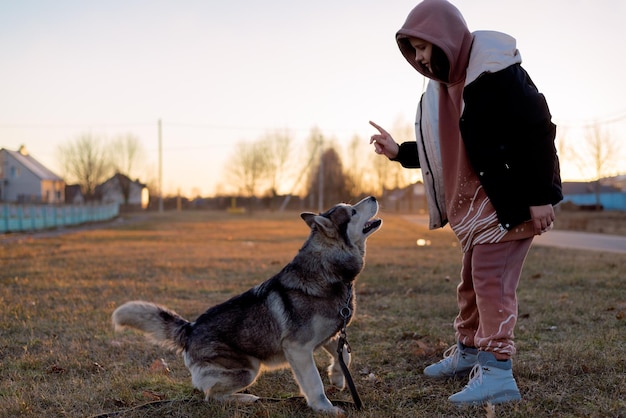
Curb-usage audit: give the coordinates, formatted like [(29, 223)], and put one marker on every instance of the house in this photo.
[(411, 199), (74, 195), (23, 179), (592, 194), (121, 189)]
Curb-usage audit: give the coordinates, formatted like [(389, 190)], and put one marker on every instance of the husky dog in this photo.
[(278, 323)]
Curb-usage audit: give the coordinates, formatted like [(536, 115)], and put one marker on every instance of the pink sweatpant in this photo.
[(487, 296)]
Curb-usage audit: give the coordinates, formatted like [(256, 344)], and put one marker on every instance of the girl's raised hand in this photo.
[(383, 142)]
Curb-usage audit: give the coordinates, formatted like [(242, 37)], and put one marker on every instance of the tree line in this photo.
[(272, 165), (322, 169)]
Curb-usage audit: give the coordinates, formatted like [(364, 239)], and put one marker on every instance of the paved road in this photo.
[(582, 241), (566, 239)]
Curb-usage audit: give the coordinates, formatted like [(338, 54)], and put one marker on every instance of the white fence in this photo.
[(19, 218)]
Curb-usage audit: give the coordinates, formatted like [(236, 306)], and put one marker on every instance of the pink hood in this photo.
[(440, 23)]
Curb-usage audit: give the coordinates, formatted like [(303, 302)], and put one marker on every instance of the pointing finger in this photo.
[(381, 130)]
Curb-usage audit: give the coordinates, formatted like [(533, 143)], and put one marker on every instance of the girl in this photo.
[(485, 144)]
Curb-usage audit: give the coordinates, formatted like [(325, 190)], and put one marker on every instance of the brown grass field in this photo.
[(60, 357)]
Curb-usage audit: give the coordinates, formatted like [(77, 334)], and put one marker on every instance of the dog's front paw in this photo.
[(322, 404), (333, 411), (338, 412)]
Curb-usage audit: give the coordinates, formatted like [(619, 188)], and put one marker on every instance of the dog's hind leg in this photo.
[(308, 378), (222, 384), (335, 374)]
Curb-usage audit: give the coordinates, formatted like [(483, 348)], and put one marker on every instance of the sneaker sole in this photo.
[(501, 397)]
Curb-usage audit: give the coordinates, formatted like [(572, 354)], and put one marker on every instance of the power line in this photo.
[(71, 125), (192, 125), (607, 120)]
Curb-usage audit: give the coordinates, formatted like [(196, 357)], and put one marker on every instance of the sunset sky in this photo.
[(222, 72)]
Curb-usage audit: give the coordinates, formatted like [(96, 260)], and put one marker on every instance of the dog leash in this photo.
[(346, 313)]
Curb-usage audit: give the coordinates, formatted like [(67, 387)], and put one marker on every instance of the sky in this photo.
[(218, 73)]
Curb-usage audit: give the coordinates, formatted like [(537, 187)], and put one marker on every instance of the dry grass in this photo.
[(60, 357), (601, 222)]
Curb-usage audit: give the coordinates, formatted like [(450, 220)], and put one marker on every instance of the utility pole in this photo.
[(320, 190), (160, 169)]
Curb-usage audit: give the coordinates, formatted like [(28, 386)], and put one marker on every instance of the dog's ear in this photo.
[(312, 219), (308, 218)]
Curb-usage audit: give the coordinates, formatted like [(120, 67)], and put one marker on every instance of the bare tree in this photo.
[(248, 166), (279, 145), (599, 157), (309, 155), (125, 153), (85, 161), (330, 178), (399, 176), (357, 166), (259, 166), (315, 149), (605, 151), (380, 173)]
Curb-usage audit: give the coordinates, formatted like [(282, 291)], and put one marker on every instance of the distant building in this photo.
[(23, 179), (121, 189), (594, 194), (74, 195), (411, 199), (618, 182)]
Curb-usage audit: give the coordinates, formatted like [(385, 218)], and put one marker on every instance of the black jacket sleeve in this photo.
[(407, 155), (509, 136)]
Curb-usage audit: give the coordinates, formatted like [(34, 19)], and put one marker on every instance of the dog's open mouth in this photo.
[(371, 224)]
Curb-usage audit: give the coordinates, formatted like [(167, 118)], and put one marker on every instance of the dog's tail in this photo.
[(159, 324)]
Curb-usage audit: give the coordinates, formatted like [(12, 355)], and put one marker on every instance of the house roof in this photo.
[(32, 164), (117, 182), (119, 178), (579, 187)]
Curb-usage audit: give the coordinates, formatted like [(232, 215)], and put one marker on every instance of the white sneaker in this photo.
[(458, 361)]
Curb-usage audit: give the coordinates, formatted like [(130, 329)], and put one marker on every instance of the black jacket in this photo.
[(509, 137)]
